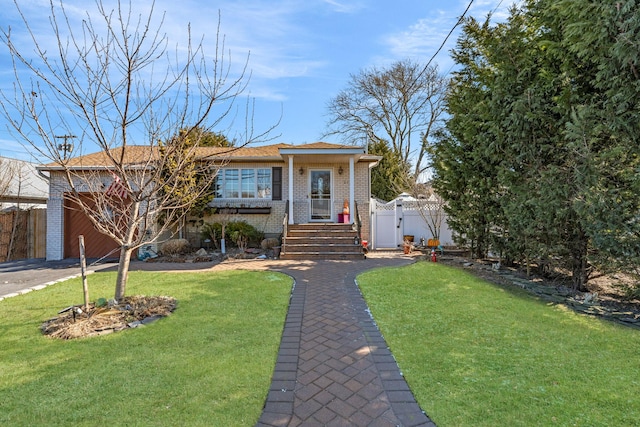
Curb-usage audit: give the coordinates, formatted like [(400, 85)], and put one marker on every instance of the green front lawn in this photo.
[(476, 354), (208, 364)]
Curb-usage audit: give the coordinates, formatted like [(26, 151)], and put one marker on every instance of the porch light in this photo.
[(340, 170), (301, 171)]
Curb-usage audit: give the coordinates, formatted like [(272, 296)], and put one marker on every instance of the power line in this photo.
[(496, 8), (460, 19)]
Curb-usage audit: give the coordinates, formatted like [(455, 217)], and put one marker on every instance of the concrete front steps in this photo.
[(321, 241)]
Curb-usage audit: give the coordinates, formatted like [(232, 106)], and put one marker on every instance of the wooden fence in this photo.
[(23, 234)]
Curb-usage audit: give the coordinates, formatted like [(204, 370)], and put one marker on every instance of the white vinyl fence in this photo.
[(401, 217)]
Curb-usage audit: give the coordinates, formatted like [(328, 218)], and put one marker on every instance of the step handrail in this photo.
[(285, 222)]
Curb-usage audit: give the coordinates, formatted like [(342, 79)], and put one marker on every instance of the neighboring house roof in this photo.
[(21, 183), (406, 197), (139, 154)]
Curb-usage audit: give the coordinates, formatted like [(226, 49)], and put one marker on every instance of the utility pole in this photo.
[(65, 147)]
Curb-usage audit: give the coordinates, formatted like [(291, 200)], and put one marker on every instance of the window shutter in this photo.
[(276, 183)]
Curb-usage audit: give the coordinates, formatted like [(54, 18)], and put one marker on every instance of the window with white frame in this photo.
[(243, 183)]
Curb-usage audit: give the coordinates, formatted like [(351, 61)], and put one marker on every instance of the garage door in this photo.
[(76, 223)]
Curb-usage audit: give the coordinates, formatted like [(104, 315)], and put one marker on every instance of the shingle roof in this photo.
[(133, 154), (20, 180), (242, 152), (140, 154)]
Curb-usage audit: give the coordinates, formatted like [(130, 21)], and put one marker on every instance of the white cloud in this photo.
[(271, 34), (499, 9), (16, 150), (348, 6), (422, 39)]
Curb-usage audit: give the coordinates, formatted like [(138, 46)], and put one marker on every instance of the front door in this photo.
[(320, 195)]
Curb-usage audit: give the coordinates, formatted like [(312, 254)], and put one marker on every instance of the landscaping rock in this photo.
[(585, 303)]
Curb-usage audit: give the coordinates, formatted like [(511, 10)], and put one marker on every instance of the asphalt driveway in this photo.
[(18, 277)]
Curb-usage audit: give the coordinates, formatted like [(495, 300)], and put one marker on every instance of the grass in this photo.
[(209, 363), (476, 354)]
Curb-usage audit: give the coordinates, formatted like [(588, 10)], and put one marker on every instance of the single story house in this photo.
[(273, 187)]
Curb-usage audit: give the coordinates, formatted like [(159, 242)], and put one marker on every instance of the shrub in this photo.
[(212, 231), (240, 233), (176, 247), (269, 243), (243, 230)]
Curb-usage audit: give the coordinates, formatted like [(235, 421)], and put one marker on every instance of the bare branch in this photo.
[(397, 105), (113, 83)]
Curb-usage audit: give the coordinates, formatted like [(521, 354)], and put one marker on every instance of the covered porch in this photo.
[(326, 181)]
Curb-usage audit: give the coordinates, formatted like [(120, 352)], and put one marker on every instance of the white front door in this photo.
[(320, 190)]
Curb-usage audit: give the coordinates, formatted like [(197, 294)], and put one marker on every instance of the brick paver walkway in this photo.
[(334, 367)]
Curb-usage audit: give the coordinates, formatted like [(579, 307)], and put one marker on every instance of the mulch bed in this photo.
[(134, 311), (603, 300)]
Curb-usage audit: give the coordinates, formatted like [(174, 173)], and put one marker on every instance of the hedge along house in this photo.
[(298, 192)]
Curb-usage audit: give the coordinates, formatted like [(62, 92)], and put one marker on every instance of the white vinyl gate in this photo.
[(384, 225), (398, 218)]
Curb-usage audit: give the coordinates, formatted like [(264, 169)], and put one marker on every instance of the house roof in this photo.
[(140, 154), (21, 183), (132, 155)]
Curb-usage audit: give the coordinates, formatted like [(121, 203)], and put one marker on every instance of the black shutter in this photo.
[(276, 183)]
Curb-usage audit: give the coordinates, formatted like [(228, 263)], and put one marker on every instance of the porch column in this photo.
[(352, 190), (291, 189)]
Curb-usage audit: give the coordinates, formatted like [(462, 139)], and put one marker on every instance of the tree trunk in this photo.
[(579, 261), (125, 252), (579, 274), (123, 272), (14, 229)]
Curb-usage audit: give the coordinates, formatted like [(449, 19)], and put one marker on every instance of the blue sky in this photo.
[(302, 52)]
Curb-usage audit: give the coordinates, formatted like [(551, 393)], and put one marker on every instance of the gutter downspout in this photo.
[(45, 177)]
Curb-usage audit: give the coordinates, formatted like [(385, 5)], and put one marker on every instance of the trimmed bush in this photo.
[(212, 231), (176, 247), (269, 243), (235, 231)]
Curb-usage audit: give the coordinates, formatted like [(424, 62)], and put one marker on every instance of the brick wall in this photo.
[(271, 224), (55, 217)]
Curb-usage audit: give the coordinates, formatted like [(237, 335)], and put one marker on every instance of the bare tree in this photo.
[(402, 104), (112, 81), (430, 207)]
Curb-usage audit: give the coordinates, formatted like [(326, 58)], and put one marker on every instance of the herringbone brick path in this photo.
[(334, 367)]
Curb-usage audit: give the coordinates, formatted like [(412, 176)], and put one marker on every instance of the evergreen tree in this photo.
[(191, 176), (540, 154), (391, 176), (604, 132), (465, 175)]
